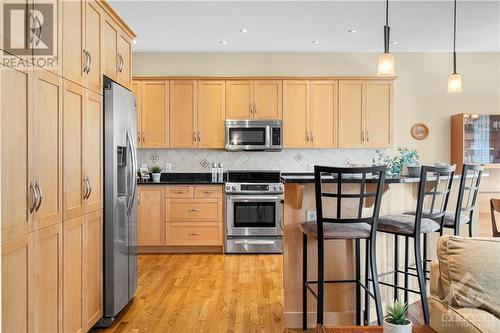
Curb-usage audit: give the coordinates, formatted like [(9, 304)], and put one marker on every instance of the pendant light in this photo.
[(386, 59), (454, 80)]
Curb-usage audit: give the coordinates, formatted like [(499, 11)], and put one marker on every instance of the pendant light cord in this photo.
[(386, 28), (454, 37)]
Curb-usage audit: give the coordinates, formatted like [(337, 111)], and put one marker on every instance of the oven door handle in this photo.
[(255, 242), (249, 198)]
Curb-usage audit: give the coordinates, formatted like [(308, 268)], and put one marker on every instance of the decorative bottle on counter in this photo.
[(214, 172), (220, 173)]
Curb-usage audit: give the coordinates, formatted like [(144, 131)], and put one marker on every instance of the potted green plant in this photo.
[(405, 163), (396, 320), (156, 173)]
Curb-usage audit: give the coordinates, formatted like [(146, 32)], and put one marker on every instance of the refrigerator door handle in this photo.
[(133, 180)]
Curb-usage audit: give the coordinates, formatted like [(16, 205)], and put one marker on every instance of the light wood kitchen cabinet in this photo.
[(93, 268), (53, 64), (324, 114), (297, 108), (254, 99), (93, 151), (211, 114), (47, 153), (117, 52), (183, 111), (74, 184), (82, 151), (310, 113), (17, 284), (48, 284), (151, 215), (73, 275), (73, 46), (365, 111), (124, 68), (109, 47), (16, 127), (153, 113), (92, 51)]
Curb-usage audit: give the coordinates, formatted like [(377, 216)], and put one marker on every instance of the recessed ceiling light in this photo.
[(223, 42), (393, 42), (243, 30), (315, 41), (352, 31)]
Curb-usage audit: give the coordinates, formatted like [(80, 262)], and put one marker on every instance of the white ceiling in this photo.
[(291, 26)]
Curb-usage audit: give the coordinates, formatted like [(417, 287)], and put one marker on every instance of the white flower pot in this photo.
[(391, 328), (156, 177)]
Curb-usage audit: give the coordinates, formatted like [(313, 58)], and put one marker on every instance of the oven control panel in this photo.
[(253, 188)]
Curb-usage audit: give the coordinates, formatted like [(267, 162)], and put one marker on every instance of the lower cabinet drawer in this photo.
[(207, 210), (200, 235)]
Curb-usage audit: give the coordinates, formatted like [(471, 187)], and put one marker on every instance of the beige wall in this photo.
[(419, 93)]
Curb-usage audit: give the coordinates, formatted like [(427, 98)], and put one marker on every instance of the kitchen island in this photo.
[(399, 196)]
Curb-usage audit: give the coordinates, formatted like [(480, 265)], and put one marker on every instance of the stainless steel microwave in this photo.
[(254, 135)]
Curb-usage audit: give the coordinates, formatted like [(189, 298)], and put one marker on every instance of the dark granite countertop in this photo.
[(183, 178)]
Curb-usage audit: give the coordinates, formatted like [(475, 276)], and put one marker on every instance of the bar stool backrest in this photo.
[(433, 193), (365, 175), (468, 189), (495, 210)]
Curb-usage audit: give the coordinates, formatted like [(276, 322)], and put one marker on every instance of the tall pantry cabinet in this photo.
[(51, 181)]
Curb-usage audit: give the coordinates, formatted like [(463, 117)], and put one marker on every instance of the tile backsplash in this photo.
[(287, 160)]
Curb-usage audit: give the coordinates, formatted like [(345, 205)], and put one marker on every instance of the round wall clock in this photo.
[(419, 131)]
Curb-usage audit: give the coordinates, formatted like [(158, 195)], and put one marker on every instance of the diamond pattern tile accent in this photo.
[(154, 158), (204, 163), (298, 157)]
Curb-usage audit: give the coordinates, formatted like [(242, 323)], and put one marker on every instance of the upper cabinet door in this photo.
[(211, 114), (47, 152), (296, 99), (324, 114), (136, 88), (239, 99), (268, 99), (378, 95), (93, 46), (73, 113), (53, 64), (93, 154), (73, 40), (16, 133), (183, 105), (351, 114), (124, 60), (109, 47), (155, 115)]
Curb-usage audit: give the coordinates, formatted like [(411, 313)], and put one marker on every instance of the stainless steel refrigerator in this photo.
[(120, 200)]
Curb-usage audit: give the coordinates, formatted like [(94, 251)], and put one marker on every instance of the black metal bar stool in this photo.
[(434, 189), (464, 210), (343, 228)]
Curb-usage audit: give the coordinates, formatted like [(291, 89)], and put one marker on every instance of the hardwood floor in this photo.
[(205, 293)]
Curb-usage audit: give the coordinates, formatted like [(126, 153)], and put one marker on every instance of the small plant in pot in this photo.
[(156, 173), (396, 319)]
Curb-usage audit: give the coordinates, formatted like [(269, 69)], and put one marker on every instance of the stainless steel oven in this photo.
[(254, 135), (254, 212)]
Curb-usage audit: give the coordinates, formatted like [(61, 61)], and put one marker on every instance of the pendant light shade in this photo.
[(386, 60), (454, 80)]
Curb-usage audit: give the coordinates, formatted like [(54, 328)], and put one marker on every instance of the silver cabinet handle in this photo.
[(90, 188), (251, 108), (362, 136), (255, 109), (119, 65), (86, 63), (178, 192), (193, 210), (143, 136), (312, 136), (34, 198), (307, 136), (138, 199), (40, 196), (194, 234), (367, 137), (86, 189), (208, 192), (195, 137), (199, 136), (90, 62)]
